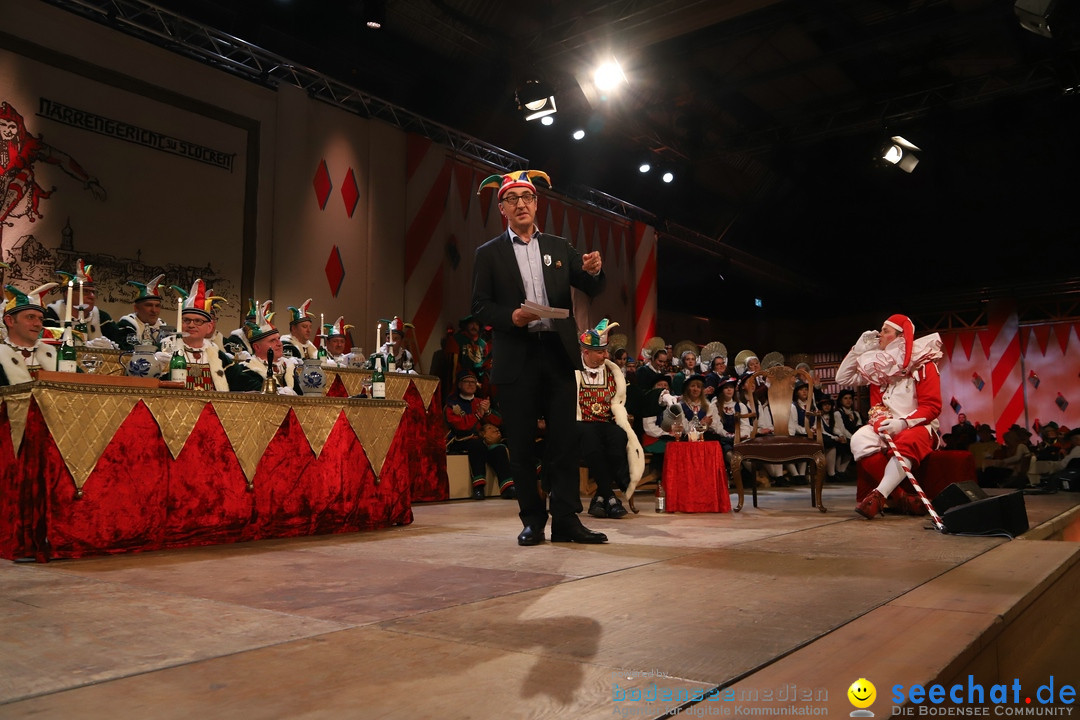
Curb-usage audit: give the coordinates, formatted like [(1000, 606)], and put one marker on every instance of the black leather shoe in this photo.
[(508, 493), (578, 534), (478, 492), (528, 537), (597, 508)]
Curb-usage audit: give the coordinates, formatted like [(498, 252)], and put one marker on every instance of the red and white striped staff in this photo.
[(938, 522)]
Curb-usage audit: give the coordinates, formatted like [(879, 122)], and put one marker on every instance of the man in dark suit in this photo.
[(534, 358)]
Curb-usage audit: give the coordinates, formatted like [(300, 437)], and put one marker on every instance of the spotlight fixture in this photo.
[(900, 152), (609, 76), (668, 177), (536, 100), (578, 135), (644, 168), (547, 120), (374, 13)]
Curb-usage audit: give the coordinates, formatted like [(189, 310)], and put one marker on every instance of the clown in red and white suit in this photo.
[(905, 399)]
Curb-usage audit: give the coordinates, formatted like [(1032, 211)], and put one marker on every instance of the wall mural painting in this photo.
[(34, 261)]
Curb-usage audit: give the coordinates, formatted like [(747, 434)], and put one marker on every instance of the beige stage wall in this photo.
[(211, 176)]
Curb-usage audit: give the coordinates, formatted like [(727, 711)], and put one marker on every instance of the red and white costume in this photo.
[(904, 379)]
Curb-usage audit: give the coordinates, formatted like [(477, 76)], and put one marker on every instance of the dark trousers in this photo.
[(480, 456), (545, 389), (603, 451)]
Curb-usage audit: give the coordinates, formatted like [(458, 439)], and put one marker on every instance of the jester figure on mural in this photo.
[(20, 194), (905, 399)]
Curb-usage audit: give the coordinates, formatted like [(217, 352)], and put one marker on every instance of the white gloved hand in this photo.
[(286, 391), (867, 341), (163, 358), (241, 356), (893, 426), (102, 343)]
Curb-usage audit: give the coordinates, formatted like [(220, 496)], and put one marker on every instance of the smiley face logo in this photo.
[(862, 693)]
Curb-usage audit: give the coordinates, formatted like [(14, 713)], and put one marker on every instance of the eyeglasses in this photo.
[(194, 321), (512, 200)]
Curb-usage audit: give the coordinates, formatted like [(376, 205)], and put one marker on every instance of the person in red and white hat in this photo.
[(206, 362), (905, 399)]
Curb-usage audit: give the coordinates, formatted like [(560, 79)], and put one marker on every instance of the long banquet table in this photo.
[(104, 468)]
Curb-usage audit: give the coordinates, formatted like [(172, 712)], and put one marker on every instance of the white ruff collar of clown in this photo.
[(882, 367)]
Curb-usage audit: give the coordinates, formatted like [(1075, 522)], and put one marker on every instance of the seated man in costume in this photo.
[(298, 343), (236, 343), (95, 322), (905, 399), (609, 446), (403, 358), (473, 430), (848, 422), (250, 375), (23, 353), (144, 325), (206, 362), (336, 337), (469, 351)]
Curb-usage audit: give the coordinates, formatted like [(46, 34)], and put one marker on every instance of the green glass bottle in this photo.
[(391, 361), (321, 353), (66, 359), (378, 380), (178, 367)]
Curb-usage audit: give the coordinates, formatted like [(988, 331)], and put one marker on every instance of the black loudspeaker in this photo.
[(995, 514), (1036, 15), (960, 493)]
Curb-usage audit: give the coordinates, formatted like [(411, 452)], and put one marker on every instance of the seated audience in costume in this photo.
[(236, 343), (336, 337), (609, 447), (206, 362), (654, 438), (1010, 465), (831, 440), (697, 407), (298, 342), (144, 325), (687, 368), (95, 323), (404, 360), (474, 430), (250, 375), (646, 374), (848, 421), (23, 352), (718, 372)]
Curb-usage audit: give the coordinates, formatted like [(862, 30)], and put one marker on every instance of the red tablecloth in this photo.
[(694, 477)]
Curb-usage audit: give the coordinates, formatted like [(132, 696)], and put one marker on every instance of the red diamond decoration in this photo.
[(350, 193), (335, 271), (323, 186)]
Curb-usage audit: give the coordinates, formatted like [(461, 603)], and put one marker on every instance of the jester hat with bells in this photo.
[(597, 338), (17, 300), (148, 291), (200, 301), (518, 179), (338, 328), (253, 309), (300, 314), (259, 326)]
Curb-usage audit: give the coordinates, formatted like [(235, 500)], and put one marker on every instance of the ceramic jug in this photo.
[(312, 377), (141, 361)]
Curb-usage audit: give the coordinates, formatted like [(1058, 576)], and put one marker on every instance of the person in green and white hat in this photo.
[(23, 352), (144, 325), (99, 324), (206, 362), (248, 375), (298, 342)]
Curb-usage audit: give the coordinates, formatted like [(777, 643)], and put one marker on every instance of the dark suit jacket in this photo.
[(498, 290)]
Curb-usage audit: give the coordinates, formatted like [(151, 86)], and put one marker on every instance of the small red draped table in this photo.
[(108, 467), (695, 480)]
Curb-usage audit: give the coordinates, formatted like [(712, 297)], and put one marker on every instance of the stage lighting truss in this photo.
[(536, 100)]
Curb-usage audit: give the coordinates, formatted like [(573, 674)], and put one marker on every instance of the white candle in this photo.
[(67, 308), (179, 314), (378, 336), (82, 318), (322, 328)]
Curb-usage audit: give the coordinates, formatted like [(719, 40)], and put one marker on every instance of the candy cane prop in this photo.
[(938, 523)]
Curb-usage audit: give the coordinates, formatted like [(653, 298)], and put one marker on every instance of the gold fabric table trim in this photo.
[(82, 419), (396, 383)]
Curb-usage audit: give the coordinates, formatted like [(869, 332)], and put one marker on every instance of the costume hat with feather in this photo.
[(518, 179), (200, 301), (597, 338), (17, 300), (337, 329), (260, 326), (300, 314), (148, 291)]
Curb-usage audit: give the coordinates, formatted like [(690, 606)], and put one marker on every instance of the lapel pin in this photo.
[(547, 260), (558, 263)]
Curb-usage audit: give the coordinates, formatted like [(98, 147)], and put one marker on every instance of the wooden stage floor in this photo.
[(449, 618)]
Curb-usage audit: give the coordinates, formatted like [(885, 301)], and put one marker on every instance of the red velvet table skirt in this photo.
[(138, 497), (694, 478)]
